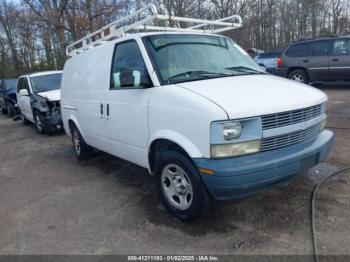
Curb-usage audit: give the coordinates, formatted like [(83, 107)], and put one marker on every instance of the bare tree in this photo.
[(33, 36)]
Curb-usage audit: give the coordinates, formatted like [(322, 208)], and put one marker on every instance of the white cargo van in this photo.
[(193, 108)]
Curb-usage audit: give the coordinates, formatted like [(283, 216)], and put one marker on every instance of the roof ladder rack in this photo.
[(145, 19)]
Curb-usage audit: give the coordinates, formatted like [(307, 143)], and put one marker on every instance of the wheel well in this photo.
[(290, 70), (160, 145), (71, 124)]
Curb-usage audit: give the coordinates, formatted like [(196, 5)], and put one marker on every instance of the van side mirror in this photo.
[(23, 92)]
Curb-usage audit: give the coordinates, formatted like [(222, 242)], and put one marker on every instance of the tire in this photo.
[(180, 187), (39, 124), (299, 75), (11, 110), (82, 150), (3, 111)]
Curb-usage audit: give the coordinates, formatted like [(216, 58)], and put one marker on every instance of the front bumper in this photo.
[(242, 176)]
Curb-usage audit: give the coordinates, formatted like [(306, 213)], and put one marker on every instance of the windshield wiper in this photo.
[(198, 73), (244, 69)]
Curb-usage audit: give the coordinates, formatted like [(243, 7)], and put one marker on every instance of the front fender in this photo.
[(39, 103), (72, 118), (185, 143)]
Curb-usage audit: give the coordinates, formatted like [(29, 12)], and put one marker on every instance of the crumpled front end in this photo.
[(53, 117)]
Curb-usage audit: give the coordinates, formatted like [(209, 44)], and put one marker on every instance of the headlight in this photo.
[(323, 124), (237, 149), (232, 130)]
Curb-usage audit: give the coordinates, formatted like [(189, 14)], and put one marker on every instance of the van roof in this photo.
[(140, 35), (43, 73)]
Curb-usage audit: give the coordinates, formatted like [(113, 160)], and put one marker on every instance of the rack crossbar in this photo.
[(145, 19)]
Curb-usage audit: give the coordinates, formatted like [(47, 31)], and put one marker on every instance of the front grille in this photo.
[(291, 117), (284, 140)]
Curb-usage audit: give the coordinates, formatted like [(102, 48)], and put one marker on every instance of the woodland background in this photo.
[(35, 33)]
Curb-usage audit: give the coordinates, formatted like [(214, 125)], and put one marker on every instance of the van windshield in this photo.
[(46, 82), (184, 57)]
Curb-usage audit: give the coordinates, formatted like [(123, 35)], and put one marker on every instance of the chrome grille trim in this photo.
[(291, 117), (289, 139)]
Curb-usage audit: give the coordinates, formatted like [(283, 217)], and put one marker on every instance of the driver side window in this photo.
[(23, 84), (128, 68)]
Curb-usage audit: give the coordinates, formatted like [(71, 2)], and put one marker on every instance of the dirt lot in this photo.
[(51, 204)]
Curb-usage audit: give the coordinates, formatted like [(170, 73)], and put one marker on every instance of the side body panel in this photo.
[(24, 101), (340, 60), (317, 61), (84, 86)]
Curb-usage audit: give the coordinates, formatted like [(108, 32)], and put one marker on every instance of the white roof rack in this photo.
[(145, 19)]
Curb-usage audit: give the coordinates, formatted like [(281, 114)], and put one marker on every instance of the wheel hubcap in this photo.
[(177, 187), (298, 77), (76, 142), (38, 123)]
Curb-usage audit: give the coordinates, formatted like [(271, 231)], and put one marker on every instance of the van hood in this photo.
[(256, 95), (53, 95)]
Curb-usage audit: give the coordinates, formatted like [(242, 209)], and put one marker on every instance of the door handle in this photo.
[(107, 109), (101, 110), (335, 59), (305, 61)]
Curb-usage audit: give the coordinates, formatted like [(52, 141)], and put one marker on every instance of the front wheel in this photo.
[(39, 122), (300, 76), (180, 187), (82, 150)]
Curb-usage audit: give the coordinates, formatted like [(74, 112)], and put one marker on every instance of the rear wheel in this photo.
[(180, 187), (299, 75), (82, 150), (11, 110)]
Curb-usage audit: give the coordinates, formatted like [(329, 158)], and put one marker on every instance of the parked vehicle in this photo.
[(317, 60), (194, 109), (38, 96), (253, 52), (268, 61), (8, 100)]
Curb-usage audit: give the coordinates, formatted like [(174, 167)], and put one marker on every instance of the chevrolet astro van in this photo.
[(197, 112)]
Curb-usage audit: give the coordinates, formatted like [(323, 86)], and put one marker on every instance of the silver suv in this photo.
[(317, 60)]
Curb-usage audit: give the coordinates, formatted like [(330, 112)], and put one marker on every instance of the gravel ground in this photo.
[(51, 204)]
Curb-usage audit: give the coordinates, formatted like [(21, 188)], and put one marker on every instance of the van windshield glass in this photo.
[(183, 57), (46, 82)]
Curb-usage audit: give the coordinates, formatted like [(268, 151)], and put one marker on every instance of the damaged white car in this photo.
[(38, 97)]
